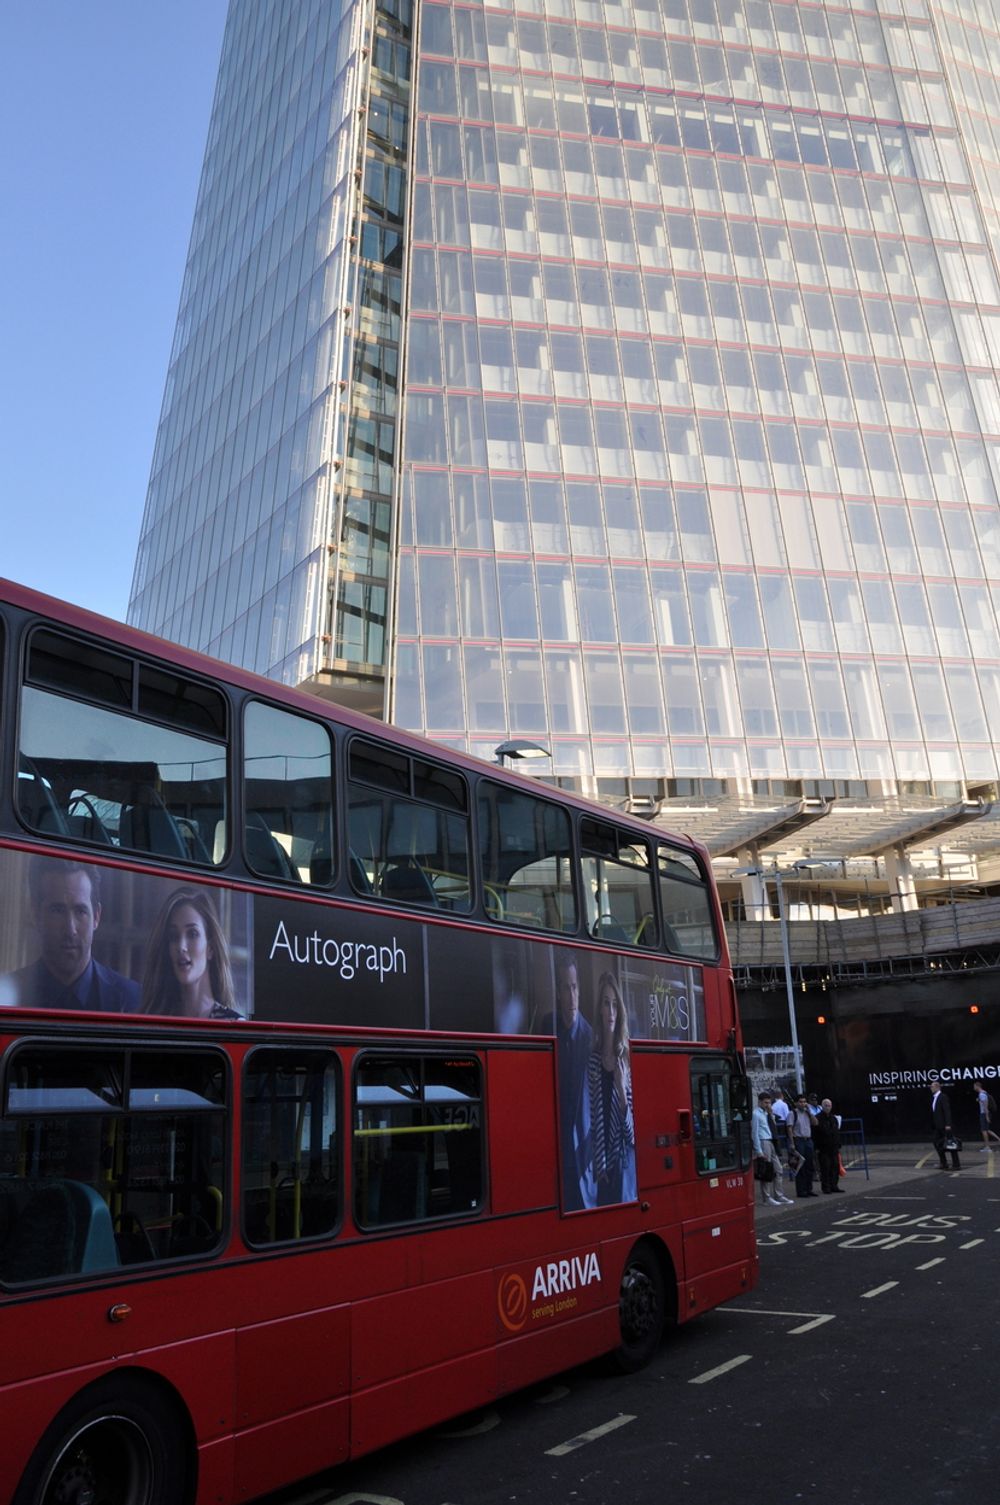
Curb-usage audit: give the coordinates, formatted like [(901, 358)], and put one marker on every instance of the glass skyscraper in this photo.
[(620, 376)]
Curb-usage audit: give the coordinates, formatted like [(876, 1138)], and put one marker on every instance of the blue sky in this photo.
[(104, 109)]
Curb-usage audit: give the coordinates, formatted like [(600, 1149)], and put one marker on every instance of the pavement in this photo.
[(889, 1165)]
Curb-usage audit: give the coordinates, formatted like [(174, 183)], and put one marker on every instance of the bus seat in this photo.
[(408, 882), (266, 856), (61, 1228), (320, 863), (607, 928), (360, 881), (151, 828), (37, 802), (670, 940), (131, 1240)]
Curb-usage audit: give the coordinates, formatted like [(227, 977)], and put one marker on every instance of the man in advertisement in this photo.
[(65, 913)]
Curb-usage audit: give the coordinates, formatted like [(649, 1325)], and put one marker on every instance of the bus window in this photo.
[(684, 901), (721, 1116), (408, 829), (291, 1154), (288, 794), (418, 1143), (526, 852), (121, 753), (109, 1158), (617, 885)]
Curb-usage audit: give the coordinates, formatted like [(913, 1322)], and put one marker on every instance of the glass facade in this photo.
[(234, 549), (622, 376)]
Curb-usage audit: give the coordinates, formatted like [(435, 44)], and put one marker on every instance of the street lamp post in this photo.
[(786, 959), (517, 748), (763, 874)]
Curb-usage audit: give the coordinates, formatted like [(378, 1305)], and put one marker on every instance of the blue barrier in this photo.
[(853, 1149)]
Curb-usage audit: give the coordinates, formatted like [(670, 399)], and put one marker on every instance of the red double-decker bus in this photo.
[(346, 1083)]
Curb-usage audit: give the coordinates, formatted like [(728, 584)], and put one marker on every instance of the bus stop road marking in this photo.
[(585, 1437), (713, 1374), (816, 1318), (807, 1327), (972, 1243), (931, 1263), (763, 1311), (879, 1290)]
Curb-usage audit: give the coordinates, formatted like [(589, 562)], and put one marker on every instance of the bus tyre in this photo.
[(641, 1310), (117, 1443)]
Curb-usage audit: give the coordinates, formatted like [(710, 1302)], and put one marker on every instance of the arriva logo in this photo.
[(512, 1301), (565, 1275)]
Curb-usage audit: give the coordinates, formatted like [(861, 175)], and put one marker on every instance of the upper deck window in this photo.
[(121, 753), (408, 829), (686, 905), (288, 815), (617, 885), (526, 851)]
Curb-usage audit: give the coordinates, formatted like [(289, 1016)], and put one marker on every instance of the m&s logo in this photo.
[(512, 1302)]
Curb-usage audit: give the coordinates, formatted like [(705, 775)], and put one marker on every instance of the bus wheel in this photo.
[(641, 1312), (115, 1444)]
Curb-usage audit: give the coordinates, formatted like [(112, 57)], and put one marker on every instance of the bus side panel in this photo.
[(523, 1156), (285, 1366), (410, 1331), (411, 1404), (292, 1382), (199, 1370), (292, 1448), (661, 1087), (719, 1260), (534, 1356)]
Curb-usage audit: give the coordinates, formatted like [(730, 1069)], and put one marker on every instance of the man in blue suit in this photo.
[(66, 912)]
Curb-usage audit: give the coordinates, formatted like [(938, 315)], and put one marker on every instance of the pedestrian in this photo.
[(944, 1138), (802, 1138), (826, 1138), (766, 1153), (986, 1108), (780, 1108), (812, 1103)]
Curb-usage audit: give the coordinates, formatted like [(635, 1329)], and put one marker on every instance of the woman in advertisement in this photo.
[(609, 1078), (187, 963)]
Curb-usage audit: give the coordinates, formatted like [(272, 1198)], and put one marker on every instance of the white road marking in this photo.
[(713, 1374), (759, 1311), (807, 1327), (972, 1243), (931, 1263), (878, 1290), (585, 1437), (816, 1318)]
